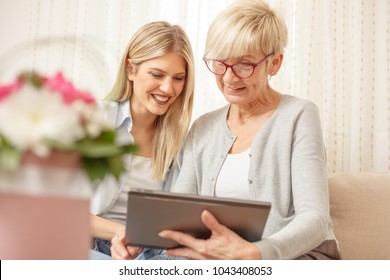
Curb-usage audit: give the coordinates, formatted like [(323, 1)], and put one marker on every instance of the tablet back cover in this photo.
[(150, 212)]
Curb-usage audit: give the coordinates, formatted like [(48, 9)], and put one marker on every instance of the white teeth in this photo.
[(233, 88), (161, 98)]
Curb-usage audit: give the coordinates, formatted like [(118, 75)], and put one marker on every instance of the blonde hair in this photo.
[(151, 41), (246, 26)]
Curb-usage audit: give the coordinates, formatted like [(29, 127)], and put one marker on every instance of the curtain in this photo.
[(338, 56)]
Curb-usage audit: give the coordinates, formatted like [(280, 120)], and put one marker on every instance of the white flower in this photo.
[(93, 116), (31, 116)]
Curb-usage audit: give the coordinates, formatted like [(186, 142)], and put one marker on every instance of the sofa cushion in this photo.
[(360, 211)]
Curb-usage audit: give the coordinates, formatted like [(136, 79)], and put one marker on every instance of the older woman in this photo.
[(264, 145)]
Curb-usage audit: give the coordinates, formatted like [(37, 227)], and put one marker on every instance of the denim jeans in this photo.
[(103, 246), (102, 251), (156, 254)]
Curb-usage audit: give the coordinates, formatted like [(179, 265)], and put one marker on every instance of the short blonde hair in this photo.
[(246, 26), (151, 41)]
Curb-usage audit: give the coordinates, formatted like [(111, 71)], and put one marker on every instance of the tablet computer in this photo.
[(150, 212)]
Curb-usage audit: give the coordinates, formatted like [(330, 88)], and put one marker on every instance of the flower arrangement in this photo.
[(40, 114)]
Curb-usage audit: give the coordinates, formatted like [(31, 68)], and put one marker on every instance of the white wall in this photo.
[(338, 56)]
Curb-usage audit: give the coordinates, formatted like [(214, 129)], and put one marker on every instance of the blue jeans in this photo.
[(156, 254), (103, 246), (102, 251), (95, 255)]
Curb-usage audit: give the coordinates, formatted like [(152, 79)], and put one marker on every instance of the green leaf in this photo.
[(10, 157), (97, 169), (116, 166), (33, 78), (130, 149), (107, 136), (104, 150), (100, 156), (99, 150)]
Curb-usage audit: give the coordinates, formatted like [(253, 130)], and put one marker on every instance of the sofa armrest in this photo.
[(360, 211)]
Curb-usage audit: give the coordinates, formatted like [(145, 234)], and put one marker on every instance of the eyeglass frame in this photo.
[(227, 66)]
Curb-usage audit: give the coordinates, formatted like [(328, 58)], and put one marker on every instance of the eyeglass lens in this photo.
[(242, 70)]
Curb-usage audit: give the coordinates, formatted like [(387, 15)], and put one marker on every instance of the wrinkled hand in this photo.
[(119, 250), (223, 243)]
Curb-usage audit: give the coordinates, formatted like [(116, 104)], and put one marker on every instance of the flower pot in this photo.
[(44, 209)]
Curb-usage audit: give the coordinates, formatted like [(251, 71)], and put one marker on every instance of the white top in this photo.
[(140, 176), (232, 181)]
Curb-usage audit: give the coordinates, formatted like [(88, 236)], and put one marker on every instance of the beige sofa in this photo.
[(360, 210)]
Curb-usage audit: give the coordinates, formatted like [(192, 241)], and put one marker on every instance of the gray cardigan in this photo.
[(287, 168)]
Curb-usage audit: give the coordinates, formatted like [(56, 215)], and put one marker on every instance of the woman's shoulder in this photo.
[(210, 124), (115, 112), (212, 117), (297, 101), (290, 104)]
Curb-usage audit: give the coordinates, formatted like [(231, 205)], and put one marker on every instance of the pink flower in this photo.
[(66, 88), (6, 90)]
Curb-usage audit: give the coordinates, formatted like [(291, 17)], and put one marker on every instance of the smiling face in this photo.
[(244, 91), (157, 83)]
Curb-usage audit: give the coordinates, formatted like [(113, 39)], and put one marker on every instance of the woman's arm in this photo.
[(182, 178), (102, 228), (311, 221)]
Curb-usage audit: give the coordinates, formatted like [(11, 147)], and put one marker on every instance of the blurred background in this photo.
[(338, 56)]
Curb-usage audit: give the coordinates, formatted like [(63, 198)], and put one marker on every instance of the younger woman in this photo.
[(154, 96)]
